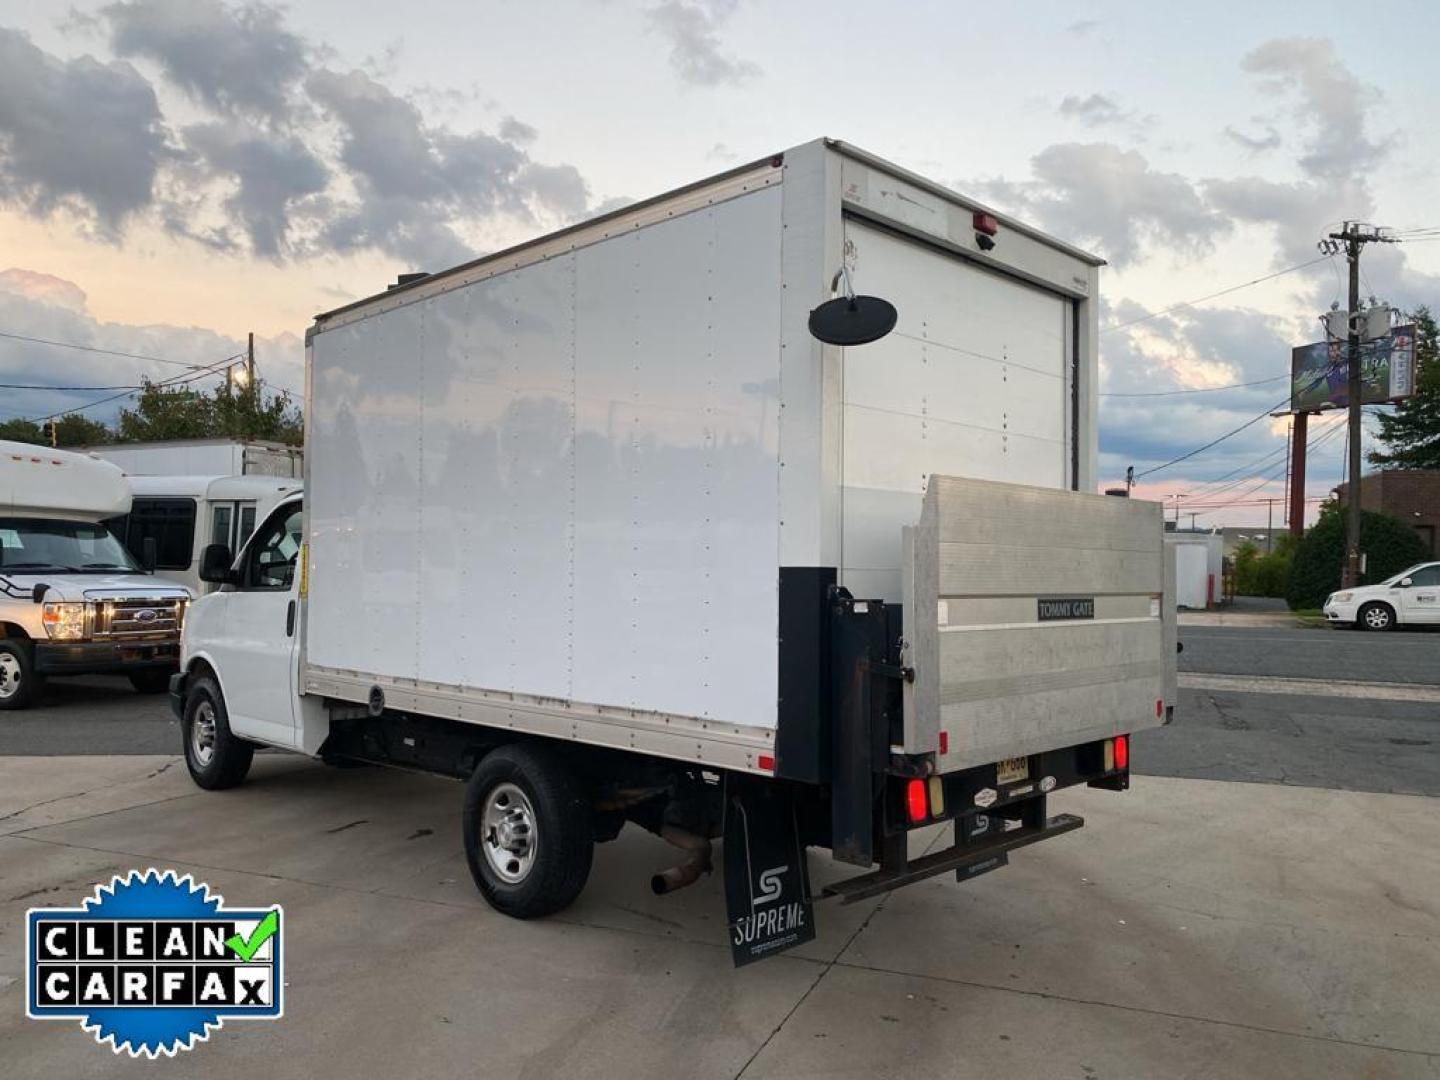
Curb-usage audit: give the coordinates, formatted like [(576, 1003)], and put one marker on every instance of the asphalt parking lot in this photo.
[(1263, 905)]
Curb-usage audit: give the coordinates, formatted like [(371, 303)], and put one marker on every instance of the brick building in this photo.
[(1412, 495)]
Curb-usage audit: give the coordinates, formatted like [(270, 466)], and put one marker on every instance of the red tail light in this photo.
[(766, 762), (916, 803), (1122, 751)]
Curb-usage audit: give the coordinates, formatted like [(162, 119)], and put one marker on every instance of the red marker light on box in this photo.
[(766, 762), (916, 804), (985, 223)]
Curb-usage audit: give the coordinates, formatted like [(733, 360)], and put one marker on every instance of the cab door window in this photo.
[(270, 558)]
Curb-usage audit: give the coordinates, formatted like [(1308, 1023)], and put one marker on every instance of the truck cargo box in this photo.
[(599, 486)]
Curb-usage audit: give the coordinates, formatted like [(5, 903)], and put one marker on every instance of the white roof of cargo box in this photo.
[(690, 196), (219, 488), (36, 481)]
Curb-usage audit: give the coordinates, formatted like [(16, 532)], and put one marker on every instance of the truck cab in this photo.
[(73, 600)]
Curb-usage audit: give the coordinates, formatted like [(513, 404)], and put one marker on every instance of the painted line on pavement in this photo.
[(1342, 688)]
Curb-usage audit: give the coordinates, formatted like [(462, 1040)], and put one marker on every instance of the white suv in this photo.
[(1411, 597)]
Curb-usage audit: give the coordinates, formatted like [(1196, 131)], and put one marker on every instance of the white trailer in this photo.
[(601, 512), (205, 457)]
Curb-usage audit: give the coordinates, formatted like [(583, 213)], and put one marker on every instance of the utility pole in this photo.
[(1177, 499), (1193, 516), (1352, 239), (250, 361), (1269, 525), (1129, 480)]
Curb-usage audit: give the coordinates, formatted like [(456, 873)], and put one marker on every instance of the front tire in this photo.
[(1375, 617), (215, 757), (18, 682), (528, 830)]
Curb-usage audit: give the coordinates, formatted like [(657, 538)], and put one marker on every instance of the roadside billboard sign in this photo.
[(1319, 372)]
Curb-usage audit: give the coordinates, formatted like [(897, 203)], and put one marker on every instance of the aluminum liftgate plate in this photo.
[(1034, 619)]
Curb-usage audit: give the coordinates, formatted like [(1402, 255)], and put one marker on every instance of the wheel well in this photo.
[(13, 630), (200, 666)]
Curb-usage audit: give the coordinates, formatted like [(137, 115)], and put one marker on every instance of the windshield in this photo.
[(45, 545)]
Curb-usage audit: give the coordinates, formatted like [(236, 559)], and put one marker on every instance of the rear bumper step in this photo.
[(960, 858)]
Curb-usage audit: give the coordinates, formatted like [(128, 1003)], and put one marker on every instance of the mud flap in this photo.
[(767, 885)]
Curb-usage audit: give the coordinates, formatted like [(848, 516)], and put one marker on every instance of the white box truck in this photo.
[(597, 525), (73, 601)]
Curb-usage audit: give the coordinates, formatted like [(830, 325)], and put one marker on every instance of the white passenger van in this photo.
[(184, 513)]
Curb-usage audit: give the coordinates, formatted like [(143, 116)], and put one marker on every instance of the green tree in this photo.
[(1388, 543), (23, 431), (253, 412), (167, 412), (1410, 433), (228, 411), (72, 429), (1264, 574)]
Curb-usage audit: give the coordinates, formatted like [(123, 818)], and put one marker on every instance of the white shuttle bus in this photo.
[(655, 520), (73, 600)]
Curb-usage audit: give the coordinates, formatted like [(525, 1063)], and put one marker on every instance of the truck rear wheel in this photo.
[(18, 681), (215, 757), (528, 832)]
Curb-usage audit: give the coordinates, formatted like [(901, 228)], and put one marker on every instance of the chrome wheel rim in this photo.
[(508, 834), (1377, 619), (202, 734), (9, 675)]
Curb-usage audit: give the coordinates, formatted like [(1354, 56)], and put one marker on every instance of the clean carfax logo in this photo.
[(153, 962)]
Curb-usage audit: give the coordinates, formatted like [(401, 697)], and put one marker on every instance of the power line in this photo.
[(1214, 295), (93, 349), (178, 380), (1198, 389), (23, 386), (1248, 423), (1215, 442)]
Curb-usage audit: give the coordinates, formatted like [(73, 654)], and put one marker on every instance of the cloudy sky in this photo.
[(175, 173)]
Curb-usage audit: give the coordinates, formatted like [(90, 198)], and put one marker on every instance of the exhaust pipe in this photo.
[(688, 871)]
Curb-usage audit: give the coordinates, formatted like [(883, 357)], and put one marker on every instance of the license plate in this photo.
[(1011, 770)]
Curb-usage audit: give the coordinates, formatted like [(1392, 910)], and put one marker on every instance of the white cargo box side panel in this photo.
[(561, 481), (972, 382)]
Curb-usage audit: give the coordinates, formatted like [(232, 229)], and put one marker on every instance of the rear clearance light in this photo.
[(917, 805), (766, 762), (985, 223), (1122, 752)]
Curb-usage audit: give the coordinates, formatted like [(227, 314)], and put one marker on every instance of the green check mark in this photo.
[(246, 948)]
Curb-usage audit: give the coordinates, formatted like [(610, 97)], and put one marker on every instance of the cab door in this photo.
[(257, 651), (1420, 600)]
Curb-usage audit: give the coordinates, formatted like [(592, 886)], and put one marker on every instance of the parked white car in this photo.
[(1411, 597)]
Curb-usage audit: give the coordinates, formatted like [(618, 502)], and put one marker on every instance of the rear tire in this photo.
[(215, 757), (19, 685), (1375, 616), (151, 680), (528, 831)]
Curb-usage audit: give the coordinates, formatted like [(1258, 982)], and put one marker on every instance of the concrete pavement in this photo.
[(1193, 928)]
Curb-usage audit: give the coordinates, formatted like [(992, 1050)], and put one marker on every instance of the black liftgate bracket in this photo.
[(866, 717)]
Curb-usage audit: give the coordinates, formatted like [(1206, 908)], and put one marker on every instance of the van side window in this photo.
[(171, 522), (270, 558)]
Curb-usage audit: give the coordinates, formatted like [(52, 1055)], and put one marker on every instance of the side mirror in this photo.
[(37, 594), (215, 563), (1406, 582), (149, 554)]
